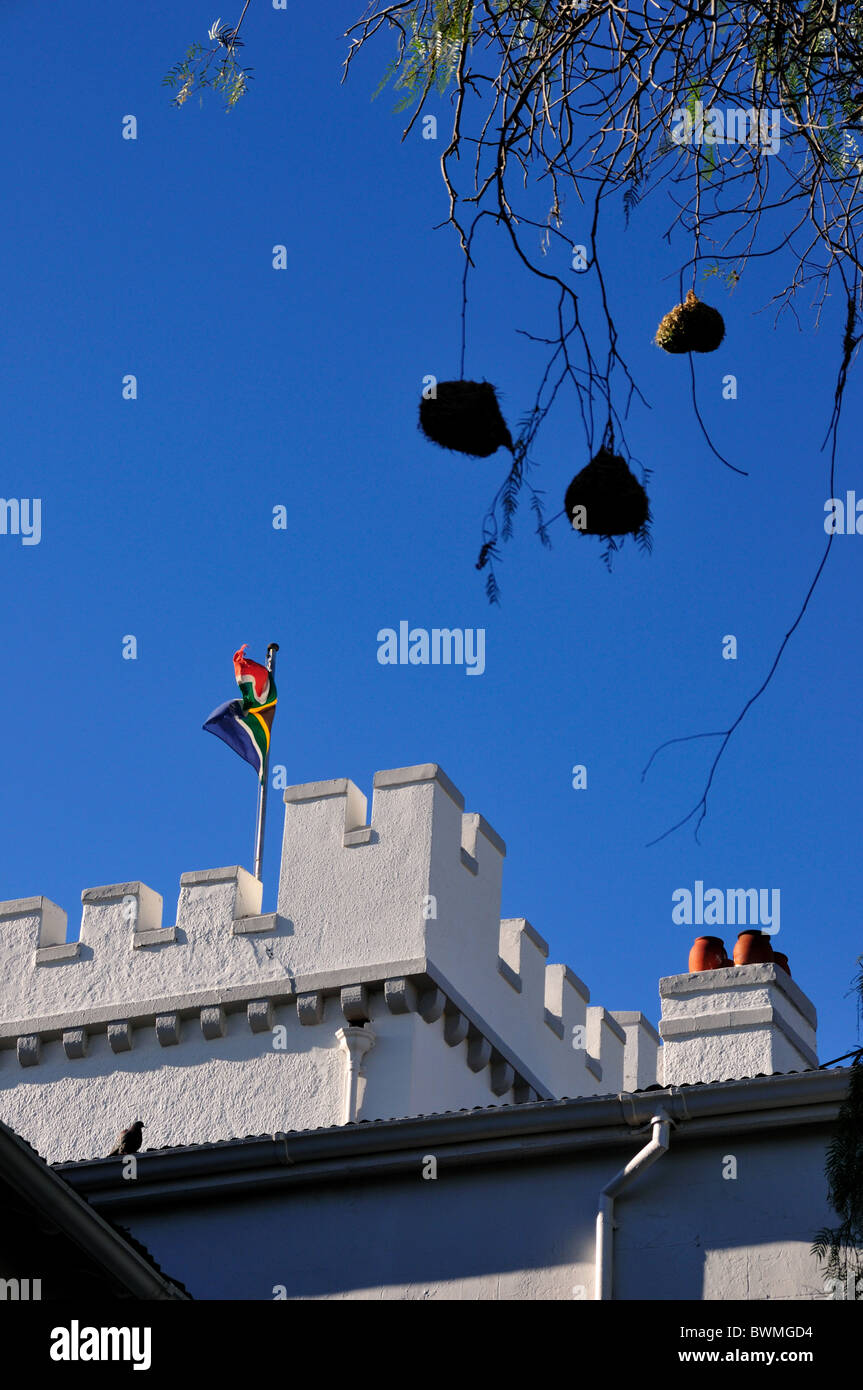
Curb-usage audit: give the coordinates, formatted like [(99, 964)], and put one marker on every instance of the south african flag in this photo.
[(245, 724)]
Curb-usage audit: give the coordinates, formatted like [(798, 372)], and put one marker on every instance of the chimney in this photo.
[(729, 1022)]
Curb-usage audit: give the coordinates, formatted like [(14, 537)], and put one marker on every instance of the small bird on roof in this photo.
[(129, 1141)]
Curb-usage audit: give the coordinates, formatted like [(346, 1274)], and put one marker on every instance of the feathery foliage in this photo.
[(215, 68)]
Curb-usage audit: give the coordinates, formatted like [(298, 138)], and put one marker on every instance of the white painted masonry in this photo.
[(385, 987), (350, 1001), (350, 1212), (743, 1020), (231, 1022)]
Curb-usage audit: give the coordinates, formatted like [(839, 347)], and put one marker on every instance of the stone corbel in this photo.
[(400, 996), (213, 1022), (455, 1026), (260, 1015), (310, 1008), (120, 1036), (168, 1029), (354, 1000), (29, 1049), (75, 1043), (478, 1051)]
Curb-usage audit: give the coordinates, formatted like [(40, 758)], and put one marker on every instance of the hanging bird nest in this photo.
[(691, 327), (606, 499), (465, 416)]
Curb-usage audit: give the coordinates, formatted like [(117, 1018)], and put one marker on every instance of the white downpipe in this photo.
[(603, 1279), (355, 1042)]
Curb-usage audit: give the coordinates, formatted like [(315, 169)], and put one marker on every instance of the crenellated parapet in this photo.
[(123, 952), (421, 878), (388, 923)]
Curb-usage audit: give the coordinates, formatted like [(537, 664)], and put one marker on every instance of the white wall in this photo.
[(520, 1230), (416, 891)]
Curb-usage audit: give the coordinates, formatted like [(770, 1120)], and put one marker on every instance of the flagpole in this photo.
[(262, 789)]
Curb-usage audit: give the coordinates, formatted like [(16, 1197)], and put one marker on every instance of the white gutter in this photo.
[(603, 1279), (569, 1129)]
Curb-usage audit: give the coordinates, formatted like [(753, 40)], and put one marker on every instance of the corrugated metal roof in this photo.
[(464, 1110)]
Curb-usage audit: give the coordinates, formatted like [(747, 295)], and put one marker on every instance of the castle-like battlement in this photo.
[(123, 953), (391, 925)]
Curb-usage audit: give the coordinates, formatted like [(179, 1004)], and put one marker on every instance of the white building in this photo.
[(385, 988)]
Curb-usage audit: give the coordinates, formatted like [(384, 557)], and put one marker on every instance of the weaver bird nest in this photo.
[(465, 416), (691, 327)]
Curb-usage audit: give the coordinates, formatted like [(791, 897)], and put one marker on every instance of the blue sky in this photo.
[(259, 388)]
